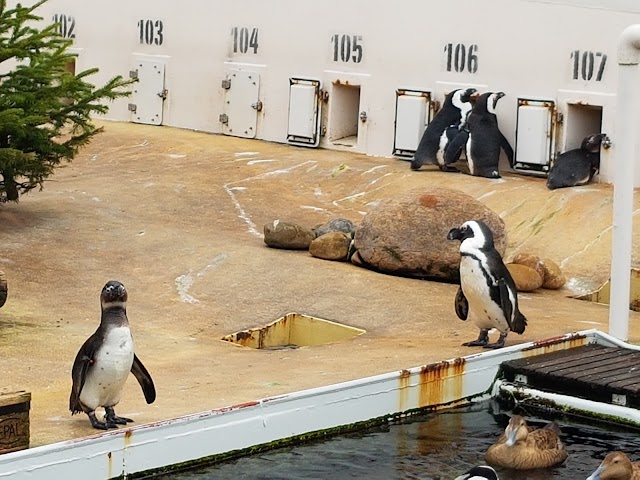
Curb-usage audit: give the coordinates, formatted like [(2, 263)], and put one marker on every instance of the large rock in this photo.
[(407, 234), (279, 234), (526, 278), (331, 246)]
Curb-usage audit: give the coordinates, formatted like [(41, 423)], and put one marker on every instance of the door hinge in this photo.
[(133, 74), (224, 118), (226, 84), (257, 106), (132, 107)]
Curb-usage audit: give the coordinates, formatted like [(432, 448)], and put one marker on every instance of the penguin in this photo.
[(577, 166), (481, 138), (434, 139), (487, 292), (104, 361), (479, 472)]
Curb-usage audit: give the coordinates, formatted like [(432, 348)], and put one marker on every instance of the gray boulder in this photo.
[(407, 235), (335, 225)]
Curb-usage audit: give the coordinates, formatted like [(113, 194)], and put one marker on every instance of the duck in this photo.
[(616, 466), (479, 472), (523, 448)]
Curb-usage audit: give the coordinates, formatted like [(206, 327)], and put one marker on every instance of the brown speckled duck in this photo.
[(616, 466), (522, 448)]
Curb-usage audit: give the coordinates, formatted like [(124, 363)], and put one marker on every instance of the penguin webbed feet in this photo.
[(112, 418), (498, 344), (97, 424), (481, 341)]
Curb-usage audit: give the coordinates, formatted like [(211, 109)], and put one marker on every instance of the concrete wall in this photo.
[(525, 48)]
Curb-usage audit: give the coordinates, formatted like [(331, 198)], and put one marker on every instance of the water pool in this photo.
[(432, 446)]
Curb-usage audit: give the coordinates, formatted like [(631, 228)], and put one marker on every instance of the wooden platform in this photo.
[(593, 372)]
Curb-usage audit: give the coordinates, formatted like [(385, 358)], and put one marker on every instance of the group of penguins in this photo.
[(487, 294), (473, 127)]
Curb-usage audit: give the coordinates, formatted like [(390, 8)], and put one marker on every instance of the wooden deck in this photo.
[(593, 372)]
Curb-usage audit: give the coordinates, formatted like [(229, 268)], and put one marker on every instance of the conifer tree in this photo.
[(45, 110)]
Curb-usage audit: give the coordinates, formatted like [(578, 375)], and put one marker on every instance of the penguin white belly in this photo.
[(112, 364), (484, 312), (469, 157), (441, 146)]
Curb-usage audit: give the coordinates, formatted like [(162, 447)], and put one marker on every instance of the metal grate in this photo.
[(594, 372)]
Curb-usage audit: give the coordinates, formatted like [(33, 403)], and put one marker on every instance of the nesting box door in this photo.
[(149, 93), (412, 117), (304, 112), (535, 136), (241, 104)]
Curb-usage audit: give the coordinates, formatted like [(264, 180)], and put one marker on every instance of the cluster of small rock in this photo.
[(531, 272), (329, 241)]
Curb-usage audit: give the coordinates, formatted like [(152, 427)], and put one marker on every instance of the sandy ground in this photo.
[(177, 217)]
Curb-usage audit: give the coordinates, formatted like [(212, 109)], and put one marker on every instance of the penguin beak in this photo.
[(469, 93), (454, 234), (499, 95)]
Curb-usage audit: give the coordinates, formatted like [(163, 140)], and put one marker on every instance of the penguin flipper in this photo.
[(452, 153), (144, 379), (505, 302), (81, 366), (506, 146), (461, 304)]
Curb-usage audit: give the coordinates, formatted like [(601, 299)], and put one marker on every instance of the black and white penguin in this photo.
[(433, 143), (104, 361), (480, 472), (577, 166), (481, 138), (487, 292)]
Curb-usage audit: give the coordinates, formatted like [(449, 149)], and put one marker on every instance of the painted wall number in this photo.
[(461, 58), (242, 41), (66, 25), (588, 63), (151, 32), (347, 48)]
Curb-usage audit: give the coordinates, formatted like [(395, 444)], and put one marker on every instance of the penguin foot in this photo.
[(482, 340), (499, 343), (476, 343), (113, 419), (97, 424), (447, 168)]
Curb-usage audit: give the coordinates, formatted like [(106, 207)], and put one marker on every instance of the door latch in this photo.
[(257, 106), (163, 94)]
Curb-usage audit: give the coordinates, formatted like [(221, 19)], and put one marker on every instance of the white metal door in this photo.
[(149, 93), (535, 136), (412, 117), (304, 112), (241, 103)]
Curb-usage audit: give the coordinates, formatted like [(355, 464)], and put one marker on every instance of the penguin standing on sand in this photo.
[(434, 140), (487, 292), (482, 139), (577, 166), (104, 361)]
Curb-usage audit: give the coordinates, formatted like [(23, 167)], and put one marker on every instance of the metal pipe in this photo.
[(624, 158)]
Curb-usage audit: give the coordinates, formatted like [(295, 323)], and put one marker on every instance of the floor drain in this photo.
[(293, 330)]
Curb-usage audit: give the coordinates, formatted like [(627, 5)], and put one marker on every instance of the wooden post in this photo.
[(14, 421)]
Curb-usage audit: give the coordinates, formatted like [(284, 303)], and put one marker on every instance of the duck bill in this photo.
[(596, 475), (511, 438), (454, 234)]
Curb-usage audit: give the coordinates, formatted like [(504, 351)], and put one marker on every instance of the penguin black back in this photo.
[(482, 139), (577, 166), (449, 114)]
